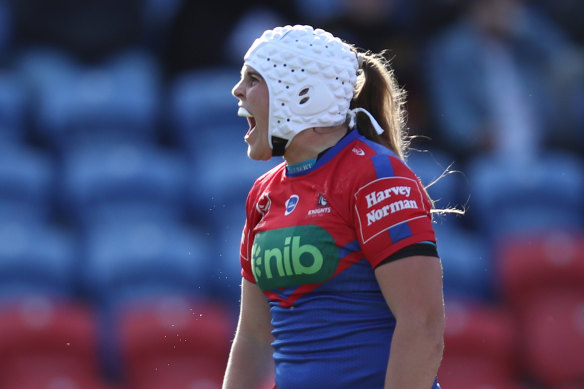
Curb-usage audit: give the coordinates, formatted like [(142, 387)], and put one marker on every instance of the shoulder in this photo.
[(266, 179), (371, 161), (379, 175)]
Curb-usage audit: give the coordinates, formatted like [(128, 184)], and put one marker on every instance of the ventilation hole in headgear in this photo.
[(301, 70), (292, 70), (303, 92), (275, 65), (285, 65), (304, 100), (279, 81), (287, 120), (267, 59)]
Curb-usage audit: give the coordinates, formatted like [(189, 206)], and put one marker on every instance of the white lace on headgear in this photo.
[(353, 119), (360, 59), (310, 76)]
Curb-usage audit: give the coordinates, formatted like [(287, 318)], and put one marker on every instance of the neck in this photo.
[(311, 142)]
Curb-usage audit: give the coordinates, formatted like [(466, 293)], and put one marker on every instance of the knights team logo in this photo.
[(322, 207)]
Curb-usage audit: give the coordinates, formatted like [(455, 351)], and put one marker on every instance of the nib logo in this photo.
[(293, 256)]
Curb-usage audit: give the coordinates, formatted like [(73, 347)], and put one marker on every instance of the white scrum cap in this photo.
[(310, 76)]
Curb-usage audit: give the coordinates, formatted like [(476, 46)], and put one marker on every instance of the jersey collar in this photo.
[(328, 154)]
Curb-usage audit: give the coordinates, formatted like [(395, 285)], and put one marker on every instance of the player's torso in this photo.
[(305, 233)]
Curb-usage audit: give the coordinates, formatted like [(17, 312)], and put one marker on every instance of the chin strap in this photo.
[(278, 146), (353, 119)]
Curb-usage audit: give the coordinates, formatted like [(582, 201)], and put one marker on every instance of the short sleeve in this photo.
[(391, 209), (245, 253)]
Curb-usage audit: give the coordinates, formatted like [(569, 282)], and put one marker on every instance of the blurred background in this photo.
[(123, 178)]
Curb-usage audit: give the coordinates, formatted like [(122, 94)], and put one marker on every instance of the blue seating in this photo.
[(14, 105), (137, 261), (467, 263), (36, 259), (224, 173), (543, 194), (118, 182), (116, 99), (201, 100), (27, 180), (437, 171)]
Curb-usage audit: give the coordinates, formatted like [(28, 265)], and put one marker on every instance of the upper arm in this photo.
[(254, 318), (412, 287), (391, 209)]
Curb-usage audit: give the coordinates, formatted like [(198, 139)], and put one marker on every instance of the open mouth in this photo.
[(250, 119)]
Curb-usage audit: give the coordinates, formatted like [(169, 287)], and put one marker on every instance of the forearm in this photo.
[(415, 357), (250, 364)]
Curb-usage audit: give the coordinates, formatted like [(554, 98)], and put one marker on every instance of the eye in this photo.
[(253, 79)]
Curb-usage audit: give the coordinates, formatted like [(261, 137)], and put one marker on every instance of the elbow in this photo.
[(436, 333), (433, 331), (427, 328)]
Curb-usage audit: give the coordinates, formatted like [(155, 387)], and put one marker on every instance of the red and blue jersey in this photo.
[(311, 243)]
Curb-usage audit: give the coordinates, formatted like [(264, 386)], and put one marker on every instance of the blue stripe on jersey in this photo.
[(333, 151), (349, 249), (399, 232), (382, 165)]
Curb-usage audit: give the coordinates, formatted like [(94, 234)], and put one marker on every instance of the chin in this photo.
[(258, 156)]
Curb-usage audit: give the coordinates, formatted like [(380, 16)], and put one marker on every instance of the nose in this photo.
[(237, 90)]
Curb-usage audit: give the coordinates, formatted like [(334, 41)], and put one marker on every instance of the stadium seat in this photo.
[(552, 337), (466, 261), (201, 99), (479, 348), (123, 181), (134, 261), (27, 183), (113, 100), (542, 277), (44, 340), (514, 199), (40, 379), (543, 261), (14, 105), (224, 173), (445, 187), (36, 259), (179, 344)]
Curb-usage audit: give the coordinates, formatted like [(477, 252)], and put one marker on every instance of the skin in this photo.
[(252, 92), (417, 304), (250, 363)]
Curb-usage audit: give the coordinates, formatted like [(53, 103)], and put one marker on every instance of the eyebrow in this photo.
[(251, 73)]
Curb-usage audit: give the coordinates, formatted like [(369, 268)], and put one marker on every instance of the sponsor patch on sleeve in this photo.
[(387, 202)]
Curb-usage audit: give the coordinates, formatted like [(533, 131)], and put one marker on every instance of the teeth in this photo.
[(244, 113)]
